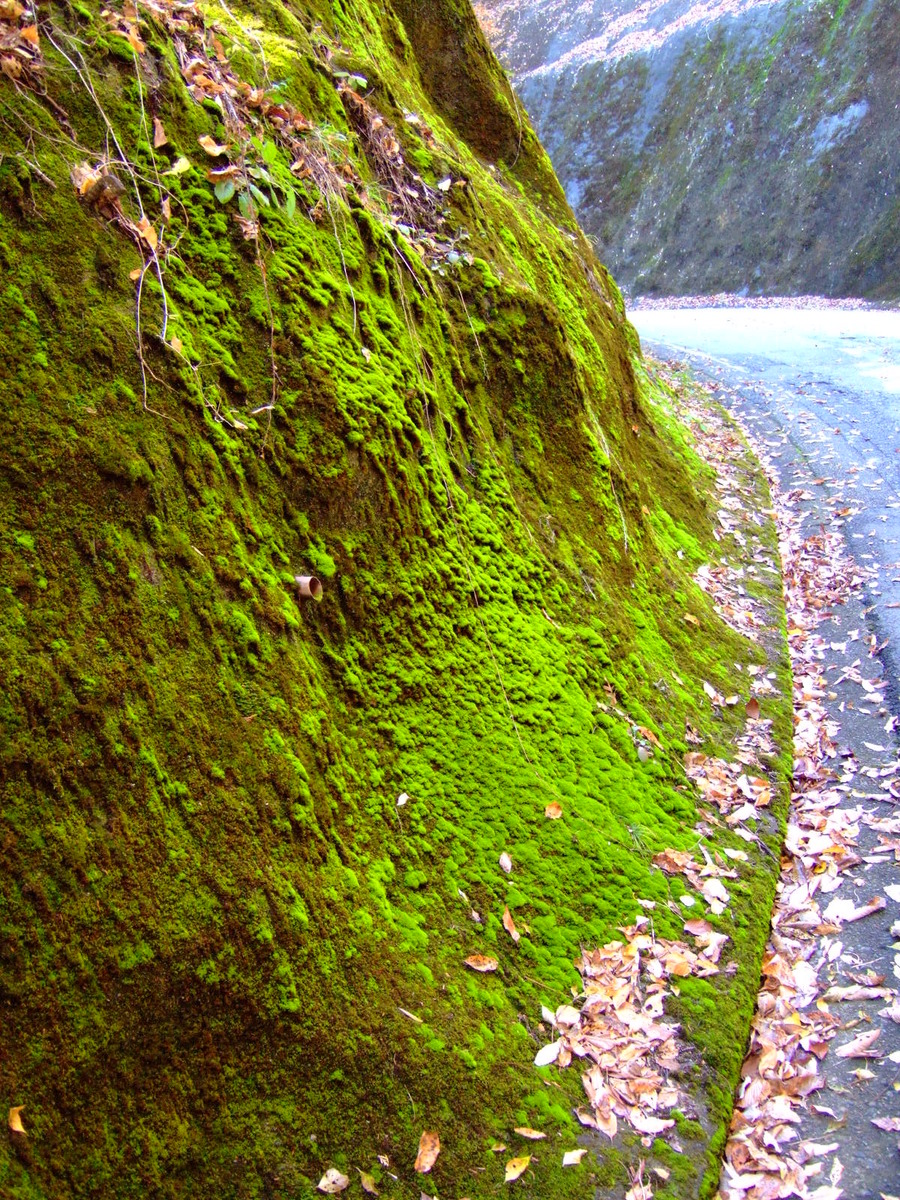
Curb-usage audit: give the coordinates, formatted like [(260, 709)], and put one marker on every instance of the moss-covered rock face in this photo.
[(373, 347)]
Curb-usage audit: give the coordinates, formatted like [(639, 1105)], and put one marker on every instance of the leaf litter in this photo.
[(628, 1052)]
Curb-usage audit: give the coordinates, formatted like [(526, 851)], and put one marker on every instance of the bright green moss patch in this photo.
[(229, 957)]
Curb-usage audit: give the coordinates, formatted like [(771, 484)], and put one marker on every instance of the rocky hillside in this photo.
[(734, 145), (293, 292)]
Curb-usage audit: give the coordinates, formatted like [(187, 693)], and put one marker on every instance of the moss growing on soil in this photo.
[(216, 916)]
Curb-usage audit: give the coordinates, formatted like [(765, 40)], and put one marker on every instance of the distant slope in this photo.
[(721, 145)]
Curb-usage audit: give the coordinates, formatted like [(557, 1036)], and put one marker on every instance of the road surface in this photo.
[(819, 392)]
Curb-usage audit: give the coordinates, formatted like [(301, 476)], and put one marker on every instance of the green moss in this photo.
[(216, 916)]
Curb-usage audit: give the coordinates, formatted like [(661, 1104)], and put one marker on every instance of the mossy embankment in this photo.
[(400, 369)]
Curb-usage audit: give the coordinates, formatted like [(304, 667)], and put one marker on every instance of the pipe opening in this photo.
[(309, 586)]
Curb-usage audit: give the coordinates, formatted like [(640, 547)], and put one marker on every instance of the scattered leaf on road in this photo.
[(860, 1047)]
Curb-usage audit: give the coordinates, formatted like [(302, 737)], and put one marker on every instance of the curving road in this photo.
[(819, 390), (826, 384)]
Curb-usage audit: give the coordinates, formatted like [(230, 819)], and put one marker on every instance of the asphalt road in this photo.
[(827, 382), (819, 392)]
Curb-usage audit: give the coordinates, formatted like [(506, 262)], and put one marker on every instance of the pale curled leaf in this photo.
[(332, 1182), (888, 1124), (15, 1119), (516, 1167), (526, 1131), (505, 862), (212, 148), (572, 1158), (548, 1054)]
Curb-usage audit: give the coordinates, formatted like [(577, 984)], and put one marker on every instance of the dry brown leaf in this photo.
[(516, 1167), (752, 708), (888, 1124), (148, 233), (213, 148), (30, 34), (136, 273), (429, 1149), (553, 811), (159, 134), (15, 1119), (533, 1135), (674, 862), (509, 925), (861, 1046), (176, 344), (856, 992), (481, 962)]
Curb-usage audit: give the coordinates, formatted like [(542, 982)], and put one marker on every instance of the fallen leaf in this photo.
[(752, 708), (214, 149), (516, 1167), (15, 1119), (402, 799), (893, 890), (30, 34), (176, 344), (856, 992), (548, 1054), (553, 811), (159, 134), (429, 1149), (332, 1181), (533, 1135), (481, 962), (572, 1158), (368, 1183), (148, 233), (506, 862), (509, 925), (179, 166), (860, 1046), (888, 1124), (136, 273)]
